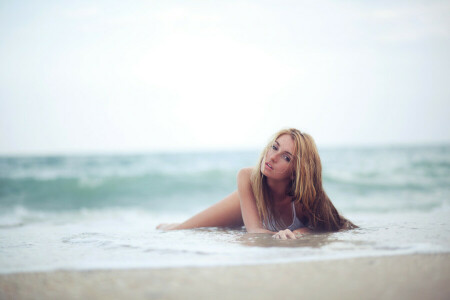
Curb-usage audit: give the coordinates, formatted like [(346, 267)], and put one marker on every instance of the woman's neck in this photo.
[(278, 190)]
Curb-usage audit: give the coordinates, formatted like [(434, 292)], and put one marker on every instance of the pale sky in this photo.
[(121, 76)]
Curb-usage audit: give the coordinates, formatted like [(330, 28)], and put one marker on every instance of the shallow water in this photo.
[(127, 239), (101, 212)]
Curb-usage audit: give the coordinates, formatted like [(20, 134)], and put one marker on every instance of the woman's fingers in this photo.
[(284, 235), (166, 226), (160, 226), (290, 234)]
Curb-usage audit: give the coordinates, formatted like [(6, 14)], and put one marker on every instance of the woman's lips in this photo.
[(269, 166)]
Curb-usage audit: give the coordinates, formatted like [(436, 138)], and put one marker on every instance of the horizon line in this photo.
[(120, 152)]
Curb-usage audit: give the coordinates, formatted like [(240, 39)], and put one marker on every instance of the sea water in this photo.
[(100, 211)]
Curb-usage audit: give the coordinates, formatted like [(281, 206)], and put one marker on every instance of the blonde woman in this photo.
[(283, 195)]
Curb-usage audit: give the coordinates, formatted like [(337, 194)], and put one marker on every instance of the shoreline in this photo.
[(413, 276)]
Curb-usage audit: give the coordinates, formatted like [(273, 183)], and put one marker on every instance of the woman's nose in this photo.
[(272, 156)]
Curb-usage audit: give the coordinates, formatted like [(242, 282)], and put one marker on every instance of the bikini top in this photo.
[(296, 223)]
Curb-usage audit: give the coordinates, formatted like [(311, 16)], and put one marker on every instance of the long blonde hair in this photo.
[(305, 187)]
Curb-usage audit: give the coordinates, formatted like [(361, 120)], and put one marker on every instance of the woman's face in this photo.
[(279, 160)]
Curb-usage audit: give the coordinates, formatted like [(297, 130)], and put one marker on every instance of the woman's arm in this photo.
[(167, 226), (250, 215), (237, 209), (225, 213)]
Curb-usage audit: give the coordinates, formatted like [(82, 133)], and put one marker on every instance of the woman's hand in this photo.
[(303, 230), (284, 235), (167, 226)]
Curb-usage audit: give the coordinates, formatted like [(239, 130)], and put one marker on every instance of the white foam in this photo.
[(127, 238)]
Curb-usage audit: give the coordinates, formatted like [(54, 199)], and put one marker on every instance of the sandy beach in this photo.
[(394, 277)]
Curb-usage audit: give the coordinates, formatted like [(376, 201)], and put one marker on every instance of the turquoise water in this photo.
[(101, 210), (361, 180)]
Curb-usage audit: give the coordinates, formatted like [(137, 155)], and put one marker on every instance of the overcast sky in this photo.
[(135, 76)]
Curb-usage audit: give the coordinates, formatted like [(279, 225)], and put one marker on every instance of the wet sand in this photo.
[(394, 277)]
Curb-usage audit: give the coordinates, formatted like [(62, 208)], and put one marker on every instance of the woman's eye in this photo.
[(274, 147), (287, 158)]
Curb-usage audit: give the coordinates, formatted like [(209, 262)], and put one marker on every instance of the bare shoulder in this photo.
[(244, 174)]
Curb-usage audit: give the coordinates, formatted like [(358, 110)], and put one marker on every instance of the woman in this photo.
[(283, 195)]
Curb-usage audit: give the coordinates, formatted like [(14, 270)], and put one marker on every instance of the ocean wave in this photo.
[(380, 184), (48, 168), (18, 216), (359, 180), (146, 190)]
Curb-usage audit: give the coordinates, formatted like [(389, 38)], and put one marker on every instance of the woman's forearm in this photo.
[(259, 230)]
